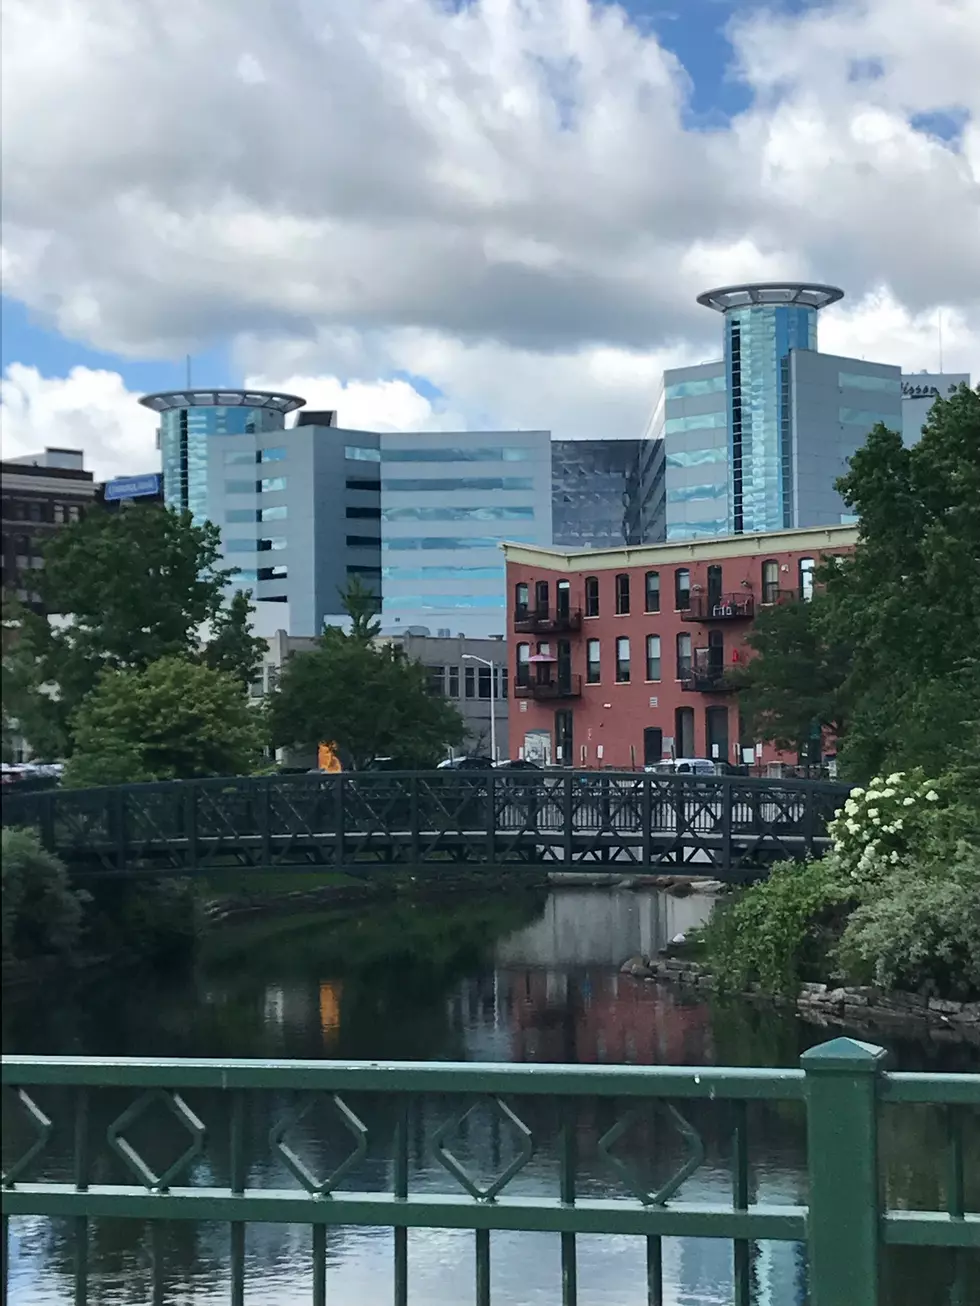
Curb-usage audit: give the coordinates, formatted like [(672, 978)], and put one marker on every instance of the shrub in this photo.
[(877, 827), (780, 932), (41, 914), (919, 931), (157, 922)]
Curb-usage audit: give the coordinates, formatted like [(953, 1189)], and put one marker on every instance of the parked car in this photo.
[(472, 762), (686, 766), (517, 764)]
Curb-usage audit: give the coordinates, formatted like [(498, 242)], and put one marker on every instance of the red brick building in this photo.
[(620, 657)]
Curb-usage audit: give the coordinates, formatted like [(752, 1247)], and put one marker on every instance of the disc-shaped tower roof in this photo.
[(195, 398), (795, 294)]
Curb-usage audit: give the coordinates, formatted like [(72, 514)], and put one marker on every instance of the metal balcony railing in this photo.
[(545, 621), (720, 607), (556, 687)]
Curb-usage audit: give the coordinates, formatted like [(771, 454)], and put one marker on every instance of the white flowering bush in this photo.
[(878, 827)]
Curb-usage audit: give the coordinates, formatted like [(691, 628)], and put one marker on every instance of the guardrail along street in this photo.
[(730, 827), (77, 1137)]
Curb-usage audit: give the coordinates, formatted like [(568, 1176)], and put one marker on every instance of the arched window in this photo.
[(682, 589), (651, 591), (523, 672), (623, 594), (807, 566), (683, 655), (592, 596), (770, 581), (520, 601)]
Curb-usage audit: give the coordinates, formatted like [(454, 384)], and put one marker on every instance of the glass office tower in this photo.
[(763, 323), (595, 500)]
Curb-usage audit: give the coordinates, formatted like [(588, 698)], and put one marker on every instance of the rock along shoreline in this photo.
[(863, 1007)]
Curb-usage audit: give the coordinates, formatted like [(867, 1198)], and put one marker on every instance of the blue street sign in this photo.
[(132, 487)]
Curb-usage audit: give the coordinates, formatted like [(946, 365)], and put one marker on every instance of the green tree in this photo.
[(173, 720), (886, 654), (368, 699), (361, 605), (792, 686), (127, 589)]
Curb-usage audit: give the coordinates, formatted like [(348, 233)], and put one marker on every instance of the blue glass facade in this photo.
[(185, 433), (758, 340)]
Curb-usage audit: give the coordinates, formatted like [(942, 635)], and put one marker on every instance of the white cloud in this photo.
[(88, 410), (504, 197)]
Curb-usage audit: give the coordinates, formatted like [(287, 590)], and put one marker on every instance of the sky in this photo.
[(466, 214)]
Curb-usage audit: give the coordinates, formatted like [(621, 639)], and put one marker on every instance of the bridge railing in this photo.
[(79, 1139), (727, 822)]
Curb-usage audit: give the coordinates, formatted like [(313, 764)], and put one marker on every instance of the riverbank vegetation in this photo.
[(46, 919), (894, 904)]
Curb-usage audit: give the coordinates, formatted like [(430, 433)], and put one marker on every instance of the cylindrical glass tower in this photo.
[(190, 419), (763, 322)]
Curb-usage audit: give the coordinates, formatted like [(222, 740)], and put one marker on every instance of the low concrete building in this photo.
[(472, 673)]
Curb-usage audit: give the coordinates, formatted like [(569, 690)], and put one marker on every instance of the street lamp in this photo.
[(488, 662)]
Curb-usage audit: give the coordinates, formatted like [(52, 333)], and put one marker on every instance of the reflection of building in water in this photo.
[(582, 1015), (330, 991), (583, 927)]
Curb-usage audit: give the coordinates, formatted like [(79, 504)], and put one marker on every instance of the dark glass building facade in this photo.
[(595, 493)]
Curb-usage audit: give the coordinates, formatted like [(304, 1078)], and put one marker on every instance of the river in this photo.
[(531, 977)]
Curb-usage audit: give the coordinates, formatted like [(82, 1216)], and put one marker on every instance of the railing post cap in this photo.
[(845, 1054)]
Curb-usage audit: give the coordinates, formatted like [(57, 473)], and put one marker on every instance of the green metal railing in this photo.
[(841, 1086)]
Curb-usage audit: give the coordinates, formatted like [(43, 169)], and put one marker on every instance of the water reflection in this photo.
[(521, 979)]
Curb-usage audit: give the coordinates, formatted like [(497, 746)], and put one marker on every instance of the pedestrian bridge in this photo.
[(727, 827)]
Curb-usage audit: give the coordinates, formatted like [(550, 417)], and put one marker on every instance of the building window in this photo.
[(653, 657), (523, 664), (592, 662), (484, 682), (275, 542), (239, 487), (521, 598), (592, 596), (682, 589), (270, 483), (715, 586), (622, 660), (74, 512), (371, 486), (271, 573), (436, 680), (622, 595), (563, 598), (770, 581), (453, 682), (807, 566), (683, 656), (358, 454), (541, 598), (469, 682), (272, 455), (277, 513), (652, 591), (504, 674), (361, 541), (366, 514)]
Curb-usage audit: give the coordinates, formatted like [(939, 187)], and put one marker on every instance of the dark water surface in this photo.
[(525, 978)]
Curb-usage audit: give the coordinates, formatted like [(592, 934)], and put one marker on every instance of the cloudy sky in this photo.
[(441, 213)]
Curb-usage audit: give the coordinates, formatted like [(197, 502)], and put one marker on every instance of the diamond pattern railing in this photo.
[(414, 1119), (721, 825)]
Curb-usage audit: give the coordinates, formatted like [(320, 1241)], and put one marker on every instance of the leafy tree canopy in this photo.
[(886, 654), (176, 719), (127, 589), (366, 698)]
